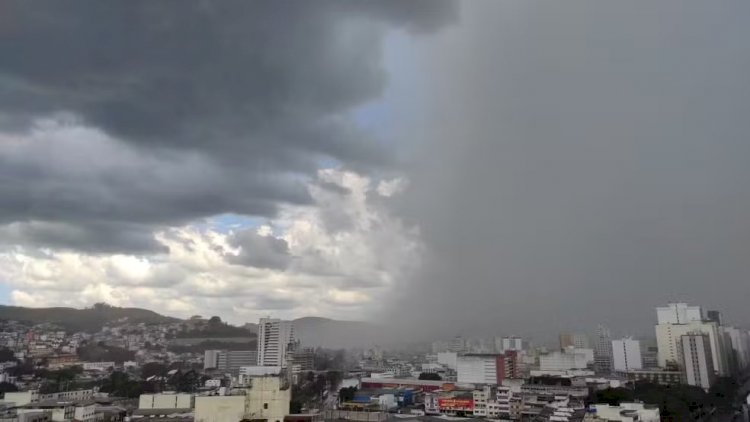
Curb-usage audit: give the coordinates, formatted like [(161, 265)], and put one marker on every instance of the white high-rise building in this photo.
[(211, 359), (679, 313), (570, 358), (512, 343), (479, 369), (626, 355), (274, 338), (741, 346), (603, 351), (695, 349), (577, 340)]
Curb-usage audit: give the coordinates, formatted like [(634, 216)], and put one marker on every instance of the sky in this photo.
[(444, 167)]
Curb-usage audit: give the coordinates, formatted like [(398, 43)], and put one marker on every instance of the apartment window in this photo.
[(265, 405)]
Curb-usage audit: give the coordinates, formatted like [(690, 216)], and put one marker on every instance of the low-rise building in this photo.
[(166, 401), (261, 397), (625, 412), (657, 376), (98, 366)]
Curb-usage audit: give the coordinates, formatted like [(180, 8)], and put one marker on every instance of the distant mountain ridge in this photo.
[(311, 331), (331, 333), (88, 319)]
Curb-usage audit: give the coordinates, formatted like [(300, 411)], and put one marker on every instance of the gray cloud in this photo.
[(587, 161), (259, 251), (201, 108), (93, 238), (268, 78)]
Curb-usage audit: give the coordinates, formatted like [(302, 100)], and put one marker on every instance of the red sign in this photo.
[(455, 404)]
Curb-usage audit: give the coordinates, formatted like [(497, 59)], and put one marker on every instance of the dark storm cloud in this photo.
[(259, 251), (205, 107), (587, 161), (263, 77), (94, 237)]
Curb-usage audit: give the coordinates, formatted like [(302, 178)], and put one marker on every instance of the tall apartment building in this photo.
[(575, 340), (740, 342), (679, 313), (458, 344), (302, 359), (211, 359), (512, 343), (274, 338), (714, 316), (570, 358), (678, 319), (626, 355), (695, 349), (603, 351)]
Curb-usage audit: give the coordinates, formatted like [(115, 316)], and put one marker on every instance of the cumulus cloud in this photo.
[(298, 264)]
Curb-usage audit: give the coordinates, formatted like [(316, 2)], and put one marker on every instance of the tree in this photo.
[(153, 368), (119, 384), (430, 376), (347, 394), (189, 382), (6, 387), (334, 379), (295, 406), (214, 320), (7, 355)]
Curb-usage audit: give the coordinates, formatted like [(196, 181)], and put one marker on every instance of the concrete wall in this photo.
[(266, 400), (165, 401), (219, 408)]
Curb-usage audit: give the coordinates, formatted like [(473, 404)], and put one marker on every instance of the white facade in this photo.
[(268, 399), (85, 413), (219, 408), (679, 313), (165, 401), (512, 343), (625, 412), (668, 337), (21, 398), (211, 359), (740, 342), (566, 360), (482, 398), (696, 360), (274, 336), (98, 366), (258, 371), (449, 359), (626, 355), (477, 369)]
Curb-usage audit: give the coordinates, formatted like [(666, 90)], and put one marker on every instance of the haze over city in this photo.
[(437, 167)]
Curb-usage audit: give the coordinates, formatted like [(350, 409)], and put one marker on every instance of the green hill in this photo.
[(89, 319)]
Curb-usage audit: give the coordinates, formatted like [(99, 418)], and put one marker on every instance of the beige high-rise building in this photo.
[(668, 337)]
